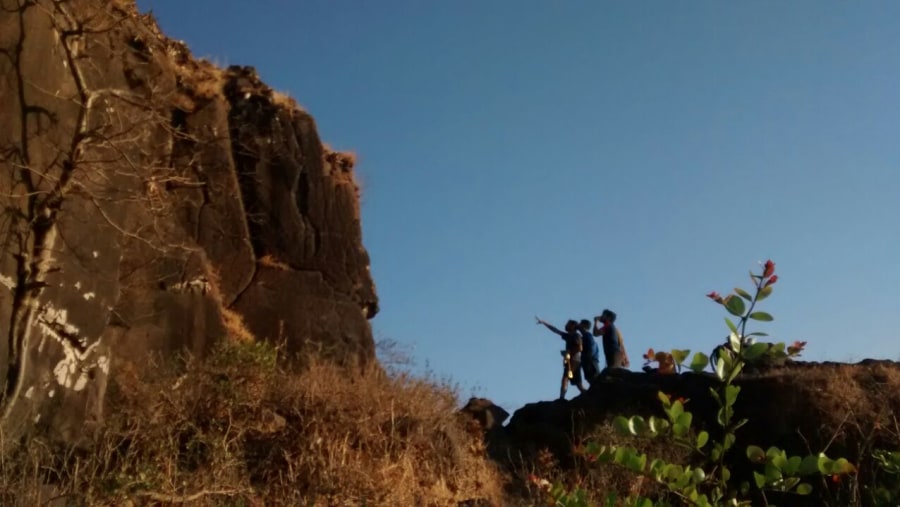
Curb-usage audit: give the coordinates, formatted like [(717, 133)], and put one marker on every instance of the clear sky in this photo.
[(550, 158)]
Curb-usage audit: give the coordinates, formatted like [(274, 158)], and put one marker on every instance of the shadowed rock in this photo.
[(803, 408)]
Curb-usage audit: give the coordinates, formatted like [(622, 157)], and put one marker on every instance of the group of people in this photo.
[(582, 353)]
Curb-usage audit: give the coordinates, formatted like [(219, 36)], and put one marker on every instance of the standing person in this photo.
[(571, 356), (590, 356), (613, 345)]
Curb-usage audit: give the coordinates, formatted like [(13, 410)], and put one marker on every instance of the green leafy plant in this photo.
[(708, 482), (886, 488)]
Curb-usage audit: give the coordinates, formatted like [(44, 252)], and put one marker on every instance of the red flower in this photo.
[(770, 269), (835, 478), (772, 280), (715, 297)]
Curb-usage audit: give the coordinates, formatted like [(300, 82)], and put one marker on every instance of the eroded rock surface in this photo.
[(154, 202)]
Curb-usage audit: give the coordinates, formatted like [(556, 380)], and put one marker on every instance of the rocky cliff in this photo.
[(154, 202)]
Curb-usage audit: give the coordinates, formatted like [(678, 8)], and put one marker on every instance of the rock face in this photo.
[(153, 202), (847, 409)]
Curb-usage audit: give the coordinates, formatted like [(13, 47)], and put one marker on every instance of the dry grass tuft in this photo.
[(283, 99), (235, 326), (237, 429), (271, 261), (340, 165)]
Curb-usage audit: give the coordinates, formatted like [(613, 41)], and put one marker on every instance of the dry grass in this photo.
[(238, 430), (340, 166), (283, 99), (235, 326), (271, 261)]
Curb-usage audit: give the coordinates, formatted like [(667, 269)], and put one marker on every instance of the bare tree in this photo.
[(85, 170)]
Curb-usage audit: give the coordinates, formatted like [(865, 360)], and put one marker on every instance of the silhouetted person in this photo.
[(613, 345), (590, 355), (571, 356)]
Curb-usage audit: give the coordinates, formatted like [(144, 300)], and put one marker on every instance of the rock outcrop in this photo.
[(847, 410), (154, 202)]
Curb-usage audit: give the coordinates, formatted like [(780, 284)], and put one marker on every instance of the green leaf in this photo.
[(720, 417), (735, 341), (790, 482), (804, 489), (773, 474), (756, 454), (764, 293), (679, 355), (824, 464), (842, 466), (664, 398), (702, 439), (809, 465), (656, 468), (728, 441), (759, 479), (755, 350), (793, 465), (778, 458), (653, 426), (761, 316), (676, 411), (735, 371), (636, 462), (637, 425), (621, 425), (735, 306), (731, 394), (699, 362), (622, 455), (720, 368), (743, 294), (685, 419), (757, 333), (698, 475), (731, 325)]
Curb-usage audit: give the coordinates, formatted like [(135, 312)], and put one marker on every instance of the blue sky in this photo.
[(525, 158)]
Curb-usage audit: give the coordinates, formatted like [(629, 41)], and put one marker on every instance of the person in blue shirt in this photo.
[(571, 356), (590, 356)]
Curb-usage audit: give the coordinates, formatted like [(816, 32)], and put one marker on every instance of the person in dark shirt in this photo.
[(590, 355), (571, 356), (613, 345)]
